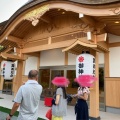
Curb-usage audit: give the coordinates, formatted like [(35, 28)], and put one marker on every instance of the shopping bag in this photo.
[(49, 114)]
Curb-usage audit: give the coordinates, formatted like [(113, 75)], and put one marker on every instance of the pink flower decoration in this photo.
[(81, 59), (85, 80), (60, 81)]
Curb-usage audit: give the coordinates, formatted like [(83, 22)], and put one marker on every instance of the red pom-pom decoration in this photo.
[(85, 80), (60, 81)]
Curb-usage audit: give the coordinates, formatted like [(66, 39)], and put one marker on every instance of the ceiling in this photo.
[(109, 21), (112, 23)]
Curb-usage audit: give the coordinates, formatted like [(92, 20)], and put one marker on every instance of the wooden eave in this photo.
[(33, 3), (8, 45), (6, 56), (15, 24), (78, 46)]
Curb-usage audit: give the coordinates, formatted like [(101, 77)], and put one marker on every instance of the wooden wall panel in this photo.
[(112, 89), (36, 43)]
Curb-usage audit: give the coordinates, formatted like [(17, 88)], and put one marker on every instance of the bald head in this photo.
[(33, 74)]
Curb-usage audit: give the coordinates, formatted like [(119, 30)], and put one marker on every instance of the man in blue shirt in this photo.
[(27, 97)]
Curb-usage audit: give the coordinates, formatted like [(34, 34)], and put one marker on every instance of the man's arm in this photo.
[(13, 110), (16, 104)]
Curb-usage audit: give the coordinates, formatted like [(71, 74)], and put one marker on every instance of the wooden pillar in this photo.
[(106, 59), (94, 94), (18, 80), (1, 82), (1, 79), (107, 83)]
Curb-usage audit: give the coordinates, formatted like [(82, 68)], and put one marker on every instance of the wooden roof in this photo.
[(95, 2), (109, 21), (88, 2), (79, 45), (22, 28)]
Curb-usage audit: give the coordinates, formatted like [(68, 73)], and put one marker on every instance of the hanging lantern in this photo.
[(85, 64), (8, 70)]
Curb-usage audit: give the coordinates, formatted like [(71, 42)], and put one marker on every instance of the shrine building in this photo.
[(48, 35)]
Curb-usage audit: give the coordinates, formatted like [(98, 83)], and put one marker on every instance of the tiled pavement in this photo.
[(7, 102)]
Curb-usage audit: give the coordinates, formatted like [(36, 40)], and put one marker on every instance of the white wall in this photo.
[(31, 63), (113, 38), (71, 59), (101, 58), (53, 57), (114, 58)]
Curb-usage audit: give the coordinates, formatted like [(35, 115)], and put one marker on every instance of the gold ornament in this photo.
[(34, 15)]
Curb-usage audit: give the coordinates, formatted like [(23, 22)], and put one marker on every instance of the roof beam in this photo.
[(8, 49), (49, 46), (98, 26), (35, 54), (88, 20), (99, 38), (45, 19), (11, 57), (14, 39), (17, 40)]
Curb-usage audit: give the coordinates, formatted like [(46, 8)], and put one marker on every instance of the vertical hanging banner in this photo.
[(85, 64), (8, 70)]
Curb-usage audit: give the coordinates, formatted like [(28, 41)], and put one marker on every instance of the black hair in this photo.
[(64, 92), (63, 89), (33, 74)]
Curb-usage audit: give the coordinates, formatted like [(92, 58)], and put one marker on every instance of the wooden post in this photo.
[(18, 80), (106, 59), (1, 82), (107, 84), (94, 94)]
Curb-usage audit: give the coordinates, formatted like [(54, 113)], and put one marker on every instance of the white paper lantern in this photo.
[(85, 64), (8, 70)]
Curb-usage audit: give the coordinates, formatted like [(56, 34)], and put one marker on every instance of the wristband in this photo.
[(10, 115)]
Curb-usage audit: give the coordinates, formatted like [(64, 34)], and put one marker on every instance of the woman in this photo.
[(59, 103), (81, 107)]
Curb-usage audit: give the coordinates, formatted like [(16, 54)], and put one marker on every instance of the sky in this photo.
[(9, 7)]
